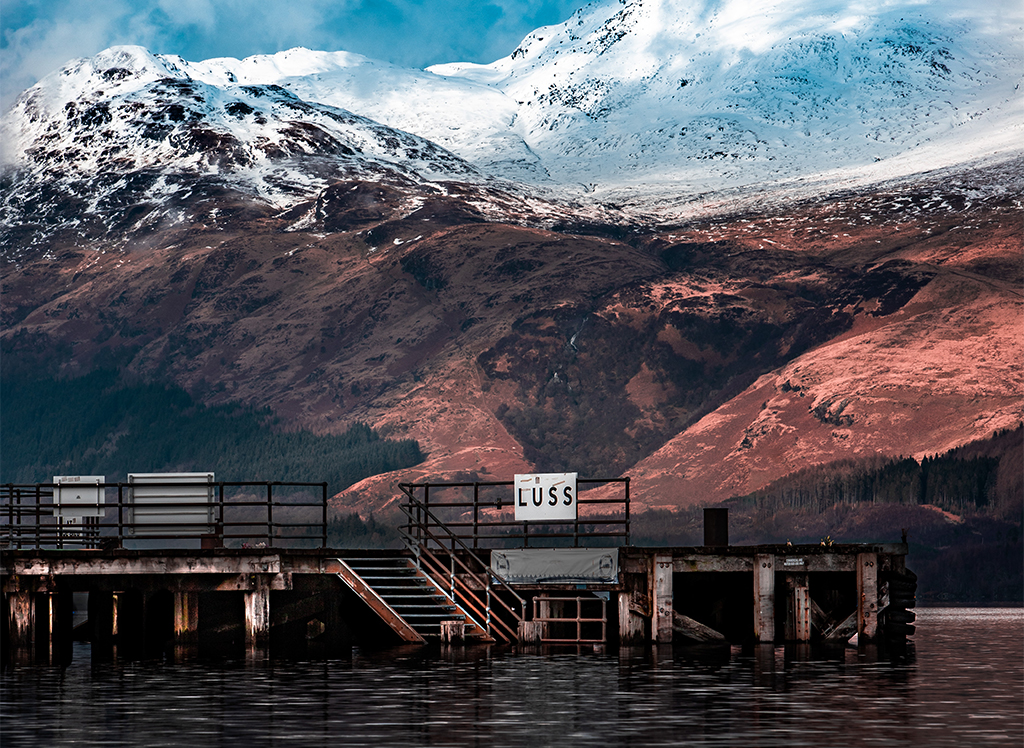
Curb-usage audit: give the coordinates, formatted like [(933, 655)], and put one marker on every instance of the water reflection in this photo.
[(961, 684)]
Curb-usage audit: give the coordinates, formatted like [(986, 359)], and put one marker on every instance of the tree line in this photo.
[(98, 425)]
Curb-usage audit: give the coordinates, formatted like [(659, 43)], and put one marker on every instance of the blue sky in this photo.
[(38, 36)]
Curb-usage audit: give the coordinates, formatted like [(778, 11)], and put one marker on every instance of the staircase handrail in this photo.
[(468, 599), (415, 547)]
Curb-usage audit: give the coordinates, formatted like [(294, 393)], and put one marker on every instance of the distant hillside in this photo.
[(984, 476), (95, 425)]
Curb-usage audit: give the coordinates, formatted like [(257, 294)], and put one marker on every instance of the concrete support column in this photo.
[(257, 615), (764, 598), (661, 622), (798, 608), (867, 596), (186, 618)]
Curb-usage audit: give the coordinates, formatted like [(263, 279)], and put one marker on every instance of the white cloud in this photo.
[(37, 38)]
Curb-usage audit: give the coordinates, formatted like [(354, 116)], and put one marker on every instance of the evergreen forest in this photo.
[(99, 425)]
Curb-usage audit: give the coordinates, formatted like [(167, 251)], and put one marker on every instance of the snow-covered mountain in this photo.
[(648, 104)]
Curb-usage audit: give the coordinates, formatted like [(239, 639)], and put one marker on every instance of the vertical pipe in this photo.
[(39, 519), (323, 534), (764, 598), (220, 515), (270, 515), (476, 515), (424, 517), (120, 515), (627, 511)]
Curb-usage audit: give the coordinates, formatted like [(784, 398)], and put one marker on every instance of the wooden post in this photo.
[(529, 632), (186, 618), (764, 598), (661, 623), (544, 609), (631, 620), (453, 632), (257, 615), (867, 596), (798, 609), (52, 624), (21, 605)]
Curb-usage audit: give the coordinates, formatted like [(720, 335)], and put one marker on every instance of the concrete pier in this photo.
[(255, 599)]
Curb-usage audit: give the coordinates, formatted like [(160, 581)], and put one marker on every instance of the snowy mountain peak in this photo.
[(649, 104)]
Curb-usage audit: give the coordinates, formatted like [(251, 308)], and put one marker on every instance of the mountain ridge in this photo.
[(238, 229)]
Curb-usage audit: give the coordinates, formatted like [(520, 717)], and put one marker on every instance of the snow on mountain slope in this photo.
[(649, 105), (126, 125), (463, 116), (715, 94)]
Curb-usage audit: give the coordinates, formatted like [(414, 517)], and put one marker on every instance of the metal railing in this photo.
[(562, 614), (486, 517), (468, 578), (235, 514)]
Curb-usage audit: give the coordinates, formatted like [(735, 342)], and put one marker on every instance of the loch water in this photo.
[(961, 683)]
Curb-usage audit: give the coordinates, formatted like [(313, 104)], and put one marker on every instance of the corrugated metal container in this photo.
[(170, 503)]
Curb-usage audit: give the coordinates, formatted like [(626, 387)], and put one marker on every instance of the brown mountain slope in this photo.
[(704, 361)]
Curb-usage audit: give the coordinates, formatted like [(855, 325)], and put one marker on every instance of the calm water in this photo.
[(963, 686)]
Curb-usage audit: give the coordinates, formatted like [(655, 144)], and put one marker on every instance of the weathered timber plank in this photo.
[(701, 562), (264, 564), (695, 630), (375, 601)]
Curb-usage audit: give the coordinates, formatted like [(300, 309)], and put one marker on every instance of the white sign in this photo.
[(78, 496), (545, 497)]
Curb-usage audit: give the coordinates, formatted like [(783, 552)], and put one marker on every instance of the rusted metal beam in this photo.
[(371, 598)]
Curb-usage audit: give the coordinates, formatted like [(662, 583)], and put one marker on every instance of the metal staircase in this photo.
[(404, 597)]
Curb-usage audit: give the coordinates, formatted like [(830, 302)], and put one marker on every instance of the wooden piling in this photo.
[(529, 632), (453, 632), (867, 596), (186, 618), (764, 598), (22, 620), (661, 622), (257, 615)]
